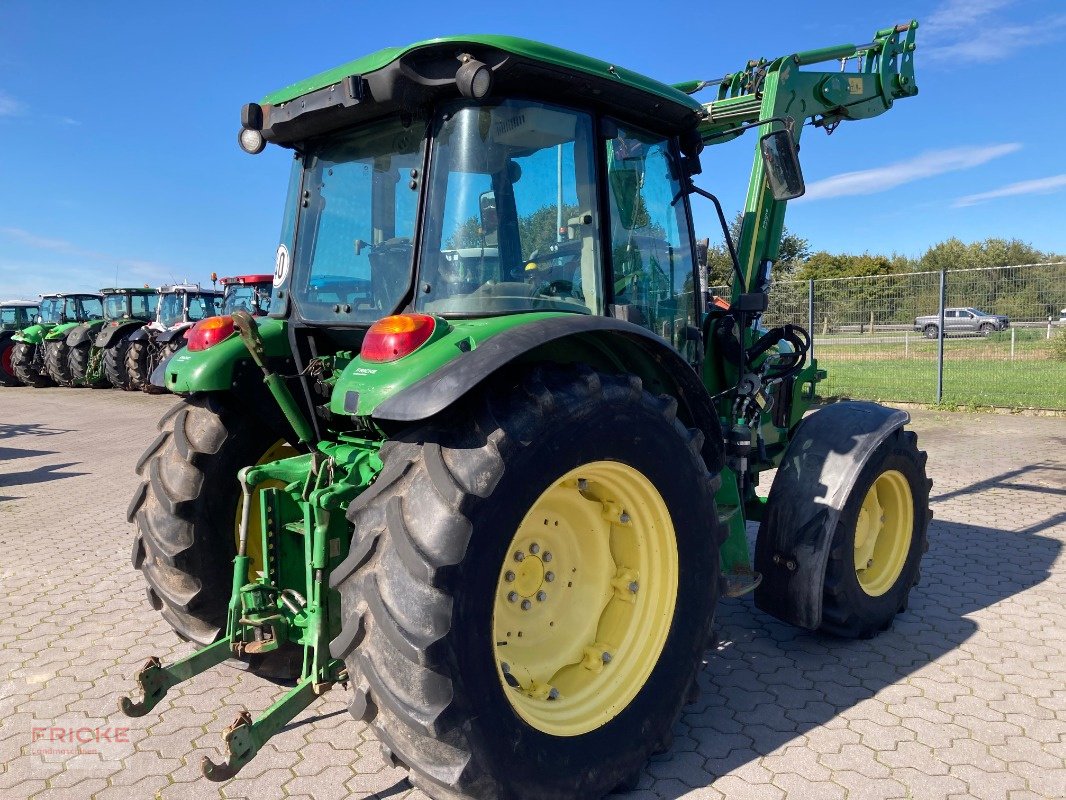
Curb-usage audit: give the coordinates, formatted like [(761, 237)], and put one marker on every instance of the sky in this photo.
[(118, 121)]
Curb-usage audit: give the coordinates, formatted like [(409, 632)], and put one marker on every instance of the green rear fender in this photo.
[(34, 334), (60, 331), (211, 370), (447, 368)]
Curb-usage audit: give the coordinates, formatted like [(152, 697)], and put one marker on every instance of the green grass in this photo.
[(1023, 383)]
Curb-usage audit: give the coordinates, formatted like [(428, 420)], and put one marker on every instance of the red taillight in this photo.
[(394, 337), (209, 332)]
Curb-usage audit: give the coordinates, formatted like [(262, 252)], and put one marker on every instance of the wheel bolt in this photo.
[(505, 667), (549, 576), (553, 694), (633, 587), (542, 596), (869, 563), (624, 518), (582, 485), (606, 658), (534, 548), (508, 576), (519, 555), (526, 605), (512, 597), (547, 556)]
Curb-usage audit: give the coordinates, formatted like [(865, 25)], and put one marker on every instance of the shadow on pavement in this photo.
[(765, 685), (9, 430), (43, 474), (1002, 481), (11, 453)]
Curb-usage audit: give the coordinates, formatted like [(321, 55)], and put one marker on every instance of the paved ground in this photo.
[(964, 697)]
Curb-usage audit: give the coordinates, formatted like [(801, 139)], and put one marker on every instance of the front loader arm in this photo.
[(883, 71)]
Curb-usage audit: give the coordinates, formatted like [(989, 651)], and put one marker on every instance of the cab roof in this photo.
[(246, 279), (131, 290), (19, 303), (413, 78)]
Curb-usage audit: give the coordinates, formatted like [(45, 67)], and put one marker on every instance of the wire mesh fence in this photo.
[(987, 337)]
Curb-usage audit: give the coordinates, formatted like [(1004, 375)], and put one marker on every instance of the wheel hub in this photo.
[(883, 532), (575, 636)]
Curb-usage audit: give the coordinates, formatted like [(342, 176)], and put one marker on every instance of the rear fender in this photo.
[(112, 331), (603, 343), (59, 332), (83, 333), (213, 369), (172, 333), (827, 452), (141, 335)]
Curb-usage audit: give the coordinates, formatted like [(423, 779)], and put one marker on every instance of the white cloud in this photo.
[(140, 268), (9, 106), (1052, 183), (973, 31), (924, 165)]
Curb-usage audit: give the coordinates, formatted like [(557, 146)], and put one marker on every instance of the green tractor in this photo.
[(489, 461), (15, 315), (40, 357), (96, 349)]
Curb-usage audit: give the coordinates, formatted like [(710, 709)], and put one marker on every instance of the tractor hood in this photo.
[(411, 79), (34, 334)]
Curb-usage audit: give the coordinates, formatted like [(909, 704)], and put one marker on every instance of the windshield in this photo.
[(251, 297), (8, 317), (51, 309), (91, 308), (144, 305), (115, 306), (511, 213), (172, 307), (352, 259)]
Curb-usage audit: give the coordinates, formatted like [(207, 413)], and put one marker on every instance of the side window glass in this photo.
[(651, 261)]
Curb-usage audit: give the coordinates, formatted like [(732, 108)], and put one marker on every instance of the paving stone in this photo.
[(963, 697)]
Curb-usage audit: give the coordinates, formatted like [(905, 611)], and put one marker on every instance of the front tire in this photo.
[(186, 508), (878, 544), (931, 331), (23, 362), (427, 611), (986, 329)]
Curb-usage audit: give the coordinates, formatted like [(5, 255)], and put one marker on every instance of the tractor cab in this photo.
[(249, 293), (185, 303), (127, 304), (467, 179), (59, 309), (17, 314)]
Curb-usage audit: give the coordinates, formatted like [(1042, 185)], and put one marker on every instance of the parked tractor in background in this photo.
[(96, 349), (15, 315), (491, 474), (180, 307), (40, 355)]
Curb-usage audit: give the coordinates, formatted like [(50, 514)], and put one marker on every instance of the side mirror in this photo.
[(781, 159), (489, 219)]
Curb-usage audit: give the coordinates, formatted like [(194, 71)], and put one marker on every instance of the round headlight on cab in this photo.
[(474, 79), (251, 141)]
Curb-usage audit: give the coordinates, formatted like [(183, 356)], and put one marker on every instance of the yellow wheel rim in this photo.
[(585, 598), (883, 533), (277, 451)]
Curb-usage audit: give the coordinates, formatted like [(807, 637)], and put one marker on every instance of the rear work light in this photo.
[(209, 332), (394, 337)]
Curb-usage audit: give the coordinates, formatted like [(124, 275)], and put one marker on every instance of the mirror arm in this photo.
[(725, 230)]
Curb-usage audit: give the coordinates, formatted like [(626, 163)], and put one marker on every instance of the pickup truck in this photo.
[(961, 321)]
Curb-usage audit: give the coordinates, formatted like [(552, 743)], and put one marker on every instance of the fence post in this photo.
[(940, 341), (1012, 332), (907, 344), (810, 313)]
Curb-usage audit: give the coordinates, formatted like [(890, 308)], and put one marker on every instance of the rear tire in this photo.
[(855, 603), (115, 363), (7, 367), (931, 331), (987, 330), (138, 365), (422, 579), (185, 511), (56, 354), (78, 366), (22, 362)]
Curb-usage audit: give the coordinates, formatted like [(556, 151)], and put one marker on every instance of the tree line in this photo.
[(891, 294)]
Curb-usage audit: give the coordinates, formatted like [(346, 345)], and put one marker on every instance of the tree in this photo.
[(794, 251)]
